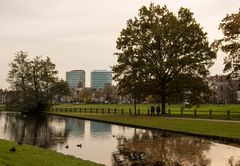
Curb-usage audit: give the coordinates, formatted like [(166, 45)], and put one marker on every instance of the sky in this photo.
[(81, 34)]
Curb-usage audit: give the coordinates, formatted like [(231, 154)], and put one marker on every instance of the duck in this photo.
[(20, 143), (66, 146), (13, 149)]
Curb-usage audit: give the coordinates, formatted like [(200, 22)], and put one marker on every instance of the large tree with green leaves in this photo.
[(33, 83), (162, 54), (230, 43)]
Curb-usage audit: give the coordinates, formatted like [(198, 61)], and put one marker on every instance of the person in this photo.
[(158, 110), (152, 110)]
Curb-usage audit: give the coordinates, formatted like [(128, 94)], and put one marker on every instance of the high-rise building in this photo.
[(76, 79), (101, 78)]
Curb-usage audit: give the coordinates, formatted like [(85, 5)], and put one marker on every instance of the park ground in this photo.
[(218, 111), (202, 124), (34, 156)]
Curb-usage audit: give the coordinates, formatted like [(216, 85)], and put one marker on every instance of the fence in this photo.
[(174, 113)]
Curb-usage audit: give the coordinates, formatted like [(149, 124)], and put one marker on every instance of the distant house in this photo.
[(224, 90)]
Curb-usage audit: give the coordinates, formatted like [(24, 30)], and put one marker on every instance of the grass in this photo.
[(218, 111), (200, 127), (28, 155)]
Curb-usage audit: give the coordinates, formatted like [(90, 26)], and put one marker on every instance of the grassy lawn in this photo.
[(218, 111), (33, 156), (202, 127)]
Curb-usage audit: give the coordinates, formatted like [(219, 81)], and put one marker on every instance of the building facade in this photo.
[(76, 79), (101, 78), (224, 90)]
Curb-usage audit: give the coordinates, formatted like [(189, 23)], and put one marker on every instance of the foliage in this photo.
[(230, 43), (163, 54), (33, 83), (85, 95)]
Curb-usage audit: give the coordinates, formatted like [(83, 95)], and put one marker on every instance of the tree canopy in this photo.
[(33, 83), (230, 43), (160, 53)]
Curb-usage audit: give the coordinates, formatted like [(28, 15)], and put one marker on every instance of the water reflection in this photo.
[(115, 145), (39, 131), (154, 148)]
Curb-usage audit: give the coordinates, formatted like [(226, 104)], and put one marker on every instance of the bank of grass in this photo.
[(199, 127), (203, 111), (145, 107), (27, 155)]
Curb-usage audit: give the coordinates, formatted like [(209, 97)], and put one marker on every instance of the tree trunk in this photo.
[(163, 104)]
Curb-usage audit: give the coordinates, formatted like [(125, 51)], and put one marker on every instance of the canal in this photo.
[(115, 145)]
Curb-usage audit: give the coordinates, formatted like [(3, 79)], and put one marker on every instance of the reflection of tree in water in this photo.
[(161, 148), (36, 130), (233, 161)]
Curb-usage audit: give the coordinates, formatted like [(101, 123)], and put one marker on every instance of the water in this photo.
[(115, 145)]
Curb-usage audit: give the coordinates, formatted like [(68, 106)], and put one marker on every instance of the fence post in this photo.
[(115, 110), (210, 113), (148, 112), (181, 111), (130, 111), (85, 109), (108, 110), (102, 110), (122, 111), (75, 109), (138, 111), (91, 110), (70, 109), (228, 114), (169, 111), (195, 112), (80, 110), (96, 110)]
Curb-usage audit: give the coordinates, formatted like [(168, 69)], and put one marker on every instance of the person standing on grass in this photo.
[(152, 110), (158, 110)]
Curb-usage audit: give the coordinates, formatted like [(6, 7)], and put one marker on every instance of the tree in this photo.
[(85, 95), (33, 83), (61, 89), (230, 43), (158, 50)]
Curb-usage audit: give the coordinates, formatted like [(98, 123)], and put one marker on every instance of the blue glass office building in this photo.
[(76, 79), (101, 78)]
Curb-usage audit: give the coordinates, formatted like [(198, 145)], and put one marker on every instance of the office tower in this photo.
[(76, 79), (101, 78)]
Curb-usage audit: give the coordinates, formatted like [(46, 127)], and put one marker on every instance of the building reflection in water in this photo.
[(102, 130)]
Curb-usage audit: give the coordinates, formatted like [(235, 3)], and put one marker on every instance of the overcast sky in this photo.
[(81, 34)]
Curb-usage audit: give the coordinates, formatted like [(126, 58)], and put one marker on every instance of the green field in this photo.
[(34, 156), (228, 129), (203, 111)]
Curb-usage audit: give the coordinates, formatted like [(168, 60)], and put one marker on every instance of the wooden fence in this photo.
[(175, 113)]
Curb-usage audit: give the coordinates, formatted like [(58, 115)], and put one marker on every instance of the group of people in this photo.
[(158, 110)]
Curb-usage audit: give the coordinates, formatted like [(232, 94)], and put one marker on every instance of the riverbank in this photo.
[(206, 111), (220, 130), (33, 156)]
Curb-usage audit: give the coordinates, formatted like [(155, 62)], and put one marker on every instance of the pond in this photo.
[(115, 145)]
